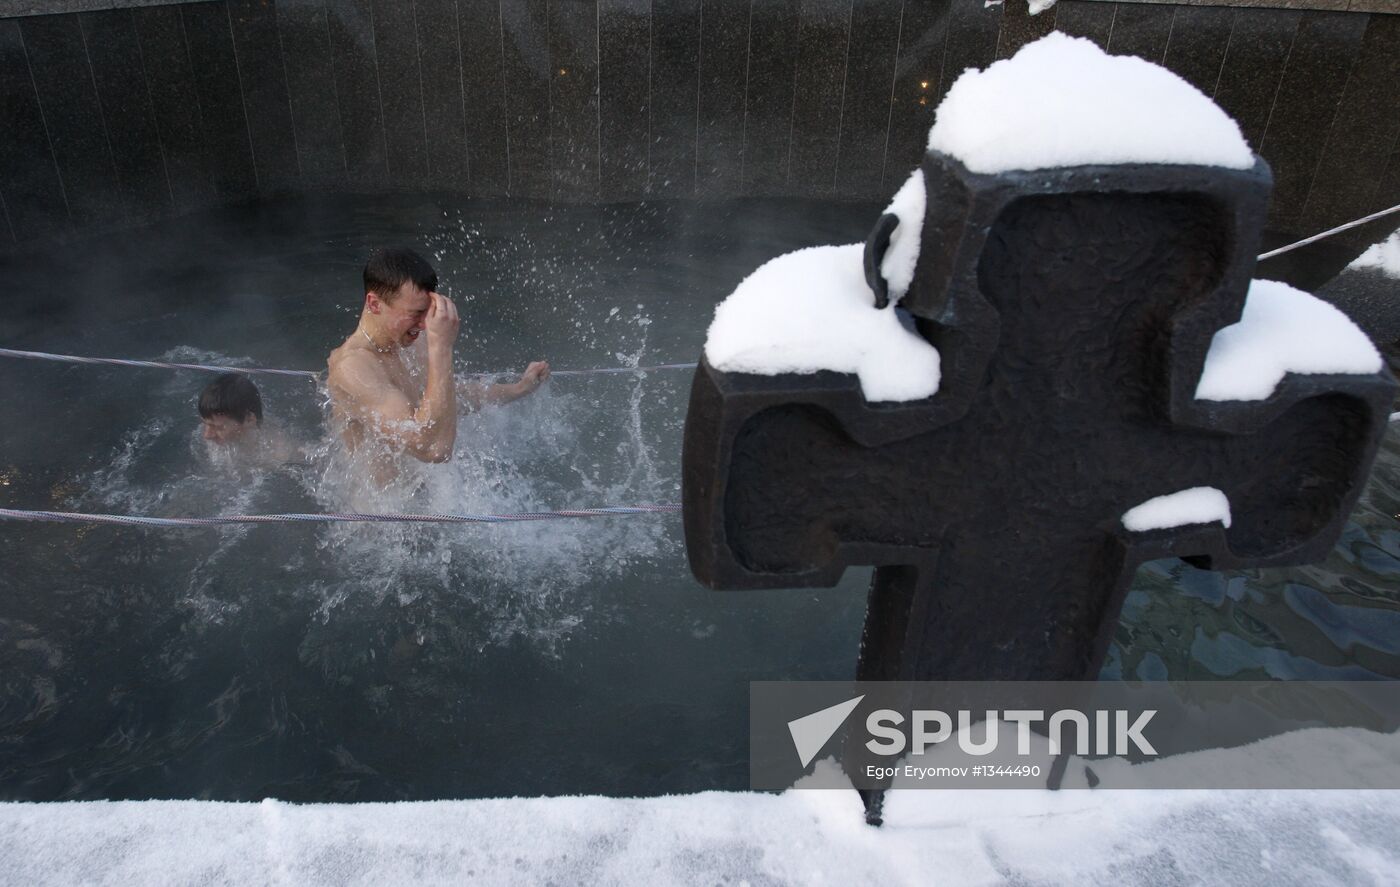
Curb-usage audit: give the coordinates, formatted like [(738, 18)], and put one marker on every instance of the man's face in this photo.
[(224, 429), (406, 314)]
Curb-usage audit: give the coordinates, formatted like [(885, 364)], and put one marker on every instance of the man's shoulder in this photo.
[(347, 356), (348, 363)]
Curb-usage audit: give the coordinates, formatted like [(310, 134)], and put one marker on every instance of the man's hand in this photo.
[(535, 375), (476, 394), (442, 322)]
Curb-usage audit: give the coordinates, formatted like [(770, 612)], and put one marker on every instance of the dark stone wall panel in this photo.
[(176, 108), (170, 80), (63, 78), (312, 88), (29, 178), (724, 50), (1253, 66), (444, 117), (972, 41), (573, 104), (675, 65), (258, 52), (1019, 27), (8, 237), (1086, 18), (1366, 129), (401, 92), (865, 113), (918, 83), (823, 44), (768, 103), (1142, 30), (353, 53), (525, 34), (1319, 66), (624, 73), (1389, 190), (1196, 51), (484, 93), (228, 153), (115, 55)]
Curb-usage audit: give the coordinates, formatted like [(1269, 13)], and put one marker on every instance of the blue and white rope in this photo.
[(132, 520), (205, 368), (150, 364)]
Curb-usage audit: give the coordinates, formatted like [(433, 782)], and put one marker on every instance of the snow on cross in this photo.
[(1062, 370)]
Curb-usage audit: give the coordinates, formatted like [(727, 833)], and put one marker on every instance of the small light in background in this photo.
[(563, 72), (923, 84)]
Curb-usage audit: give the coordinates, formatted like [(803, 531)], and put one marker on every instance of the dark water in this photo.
[(385, 663)]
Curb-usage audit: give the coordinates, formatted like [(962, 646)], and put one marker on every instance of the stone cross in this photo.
[(1072, 309)]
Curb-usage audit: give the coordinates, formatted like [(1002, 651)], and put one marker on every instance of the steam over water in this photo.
[(391, 661)]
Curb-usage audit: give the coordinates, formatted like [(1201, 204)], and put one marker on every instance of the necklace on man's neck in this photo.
[(372, 344)]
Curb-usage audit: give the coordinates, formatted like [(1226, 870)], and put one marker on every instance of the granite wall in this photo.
[(116, 116)]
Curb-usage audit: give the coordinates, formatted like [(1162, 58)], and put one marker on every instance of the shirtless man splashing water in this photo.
[(377, 396)]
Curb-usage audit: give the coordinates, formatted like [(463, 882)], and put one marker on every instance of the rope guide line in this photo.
[(357, 517), (206, 368), (165, 365), (75, 517), (1329, 232)]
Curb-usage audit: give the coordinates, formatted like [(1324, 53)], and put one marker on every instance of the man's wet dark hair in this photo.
[(392, 267), (233, 395)]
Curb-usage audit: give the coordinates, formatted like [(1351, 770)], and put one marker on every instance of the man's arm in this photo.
[(478, 394)]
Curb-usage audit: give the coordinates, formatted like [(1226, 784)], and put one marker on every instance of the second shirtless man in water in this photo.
[(377, 396)]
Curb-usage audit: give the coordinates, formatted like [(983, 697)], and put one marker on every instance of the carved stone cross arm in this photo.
[(1073, 310)]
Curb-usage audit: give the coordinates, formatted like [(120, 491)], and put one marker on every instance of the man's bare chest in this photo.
[(404, 378)]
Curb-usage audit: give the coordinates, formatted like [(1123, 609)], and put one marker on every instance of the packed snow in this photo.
[(812, 310), (1282, 330), (1383, 256), (909, 205), (1063, 101), (1060, 101), (1198, 505), (1148, 835), (800, 837)]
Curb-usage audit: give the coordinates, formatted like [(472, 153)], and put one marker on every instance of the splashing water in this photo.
[(535, 581)]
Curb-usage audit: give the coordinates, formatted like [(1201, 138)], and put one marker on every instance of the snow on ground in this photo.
[(800, 837), (1062, 101), (1133, 836), (1383, 256), (1282, 330), (1198, 505), (811, 310), (1076, 836)]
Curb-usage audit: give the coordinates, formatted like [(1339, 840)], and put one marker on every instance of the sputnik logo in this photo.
[(810, 732)]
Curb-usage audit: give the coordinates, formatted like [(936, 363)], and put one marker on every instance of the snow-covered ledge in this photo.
[(800, 838)]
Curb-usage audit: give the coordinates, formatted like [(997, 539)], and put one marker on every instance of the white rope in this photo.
[(206, 368), (1340, 228), (76, 517)]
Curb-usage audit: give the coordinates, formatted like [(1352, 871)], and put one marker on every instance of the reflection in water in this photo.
[(382, 662), (1335, 620)]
